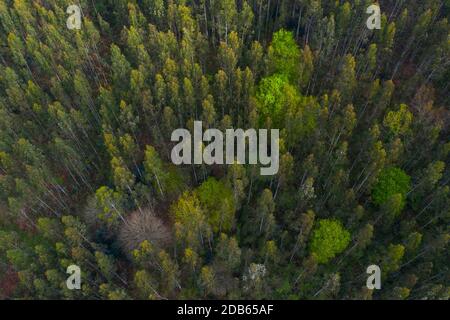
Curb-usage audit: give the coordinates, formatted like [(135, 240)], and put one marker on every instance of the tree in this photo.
[(218, 203), (346, 82), (264, 213), (169, 273), (392, 258), (145, 285), (144, 225), (306, 223), (86, 118), (398, 122), (284, 56), (123, 178), (164, 178), (191, 227), (106, 265), (392, 208), (228, 253), (237, 181), (207, 280), (364, 237), (109, 206), (121, 68), (328, 239), (391, 181), (271, 94), (50, 228)]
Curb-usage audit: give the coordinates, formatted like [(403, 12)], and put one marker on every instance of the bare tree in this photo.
[(144, 225)]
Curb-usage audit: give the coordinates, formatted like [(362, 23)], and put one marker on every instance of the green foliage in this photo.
[(217, 201), (281, 102), (272, 96), (86, 118), (165, 178), (328, 239), (191, 224), (109, 205), (392, 258), (284, 55), (391, 181), (277, 94), (346, 82), (398, 122)]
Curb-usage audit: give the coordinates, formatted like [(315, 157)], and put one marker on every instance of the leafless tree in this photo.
[(144, 225)]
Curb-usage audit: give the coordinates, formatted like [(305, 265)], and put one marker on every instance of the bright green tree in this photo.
[(328, 239), (284, 55)]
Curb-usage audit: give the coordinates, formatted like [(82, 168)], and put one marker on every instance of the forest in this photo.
[(86, 177)]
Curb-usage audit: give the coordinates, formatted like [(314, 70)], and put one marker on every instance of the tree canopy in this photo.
[(328, 239), (86, 173)]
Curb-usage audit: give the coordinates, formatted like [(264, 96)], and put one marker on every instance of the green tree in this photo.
[(164, 178), (391, 181), (398, 122), (191, 225), (328, 239), (109, 204), (284, 55), (218, 203), (264, 213)]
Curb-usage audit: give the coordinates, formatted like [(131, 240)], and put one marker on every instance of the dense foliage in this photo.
[(391, 181), (328, 240), (86, 177)]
